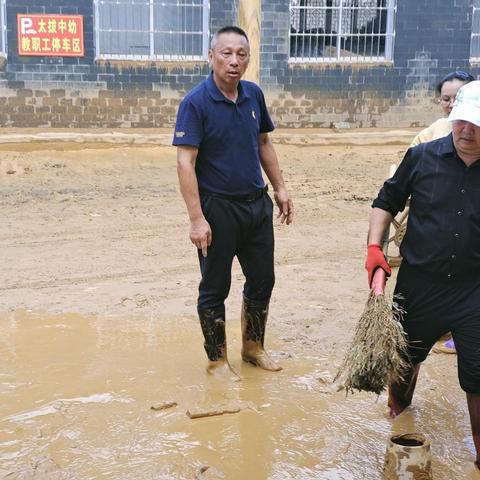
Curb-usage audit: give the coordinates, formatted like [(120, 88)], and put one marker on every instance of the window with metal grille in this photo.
[(3, 29), (348, 31), (475, 40), (151, 29)]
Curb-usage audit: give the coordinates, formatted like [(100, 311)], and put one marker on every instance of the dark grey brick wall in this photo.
[(65, 70), (432, 38), (72, 91), (223, 13)]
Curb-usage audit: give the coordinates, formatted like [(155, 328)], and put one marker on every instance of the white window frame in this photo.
[(152, 56), (391, 8), (3, 27), (473, 58)]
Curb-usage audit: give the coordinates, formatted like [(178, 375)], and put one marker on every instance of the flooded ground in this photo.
[(76, 397), (97, 302)]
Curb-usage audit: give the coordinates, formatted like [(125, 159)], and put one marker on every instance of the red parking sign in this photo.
[(50, 35)]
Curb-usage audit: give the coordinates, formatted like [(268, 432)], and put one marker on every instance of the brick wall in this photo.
[(432, 38), (83, 92)]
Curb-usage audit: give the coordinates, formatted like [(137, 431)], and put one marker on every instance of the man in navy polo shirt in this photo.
[(222, 138)]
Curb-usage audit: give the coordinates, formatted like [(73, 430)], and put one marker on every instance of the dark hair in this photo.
[(228, 29), (456, 75)]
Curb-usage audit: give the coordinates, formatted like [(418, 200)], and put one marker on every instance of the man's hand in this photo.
[(201, 234), (376, 259), (285, 206)]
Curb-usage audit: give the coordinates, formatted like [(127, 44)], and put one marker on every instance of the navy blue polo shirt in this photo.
[(226, 135)]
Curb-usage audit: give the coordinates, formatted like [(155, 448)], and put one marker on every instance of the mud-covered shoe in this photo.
[(254, 319), (257, 356), (221, 369)]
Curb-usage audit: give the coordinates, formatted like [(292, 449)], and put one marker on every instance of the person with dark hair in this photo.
[(438, 284), (221, 134), (447, 88)]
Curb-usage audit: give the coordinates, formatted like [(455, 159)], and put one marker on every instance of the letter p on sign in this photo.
[(26, 25)]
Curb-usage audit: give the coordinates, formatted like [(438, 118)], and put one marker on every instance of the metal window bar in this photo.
[(3, 28), (152, 29), (475, 38), (351, 31)]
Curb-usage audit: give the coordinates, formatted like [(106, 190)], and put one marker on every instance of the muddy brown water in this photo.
[(76, 394)]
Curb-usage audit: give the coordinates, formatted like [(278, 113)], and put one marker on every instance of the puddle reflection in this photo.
[(76, 395)]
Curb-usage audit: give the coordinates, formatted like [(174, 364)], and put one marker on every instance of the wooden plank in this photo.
[(249, 19)]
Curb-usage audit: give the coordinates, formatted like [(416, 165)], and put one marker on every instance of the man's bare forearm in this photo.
[(379, 222), (188, 181), (189, 190), (269, 161)]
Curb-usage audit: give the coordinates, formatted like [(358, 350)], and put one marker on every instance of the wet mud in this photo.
[(97, 318), (77, 394)]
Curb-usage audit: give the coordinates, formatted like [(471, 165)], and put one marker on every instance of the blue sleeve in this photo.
[(395, 191), (266, 124), (189, 125)]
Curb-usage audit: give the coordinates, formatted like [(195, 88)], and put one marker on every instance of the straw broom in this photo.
[(378, 353)]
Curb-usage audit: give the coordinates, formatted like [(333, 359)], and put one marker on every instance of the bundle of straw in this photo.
[(378, 352)]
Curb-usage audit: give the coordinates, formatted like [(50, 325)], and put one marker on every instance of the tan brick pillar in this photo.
[(249, 19)]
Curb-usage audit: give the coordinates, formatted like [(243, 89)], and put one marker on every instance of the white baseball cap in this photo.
[(467, 104)]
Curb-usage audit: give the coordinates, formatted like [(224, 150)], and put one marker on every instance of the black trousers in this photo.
[(435, 306), (243, 229)]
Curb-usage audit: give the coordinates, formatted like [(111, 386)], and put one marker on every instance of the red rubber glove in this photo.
[(375, 259)]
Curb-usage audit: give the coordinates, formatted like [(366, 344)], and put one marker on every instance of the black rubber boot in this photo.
[(254, 321), (212, 322)]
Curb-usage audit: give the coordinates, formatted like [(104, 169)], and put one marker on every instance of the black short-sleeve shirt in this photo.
[(443, 229)]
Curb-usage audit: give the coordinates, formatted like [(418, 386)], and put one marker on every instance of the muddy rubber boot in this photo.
[(400, 394), (212, 322), (254, 320)]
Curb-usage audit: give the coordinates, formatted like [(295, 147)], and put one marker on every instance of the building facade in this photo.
[(321, 63)]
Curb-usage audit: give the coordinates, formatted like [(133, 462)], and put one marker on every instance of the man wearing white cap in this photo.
[(439, 279)]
